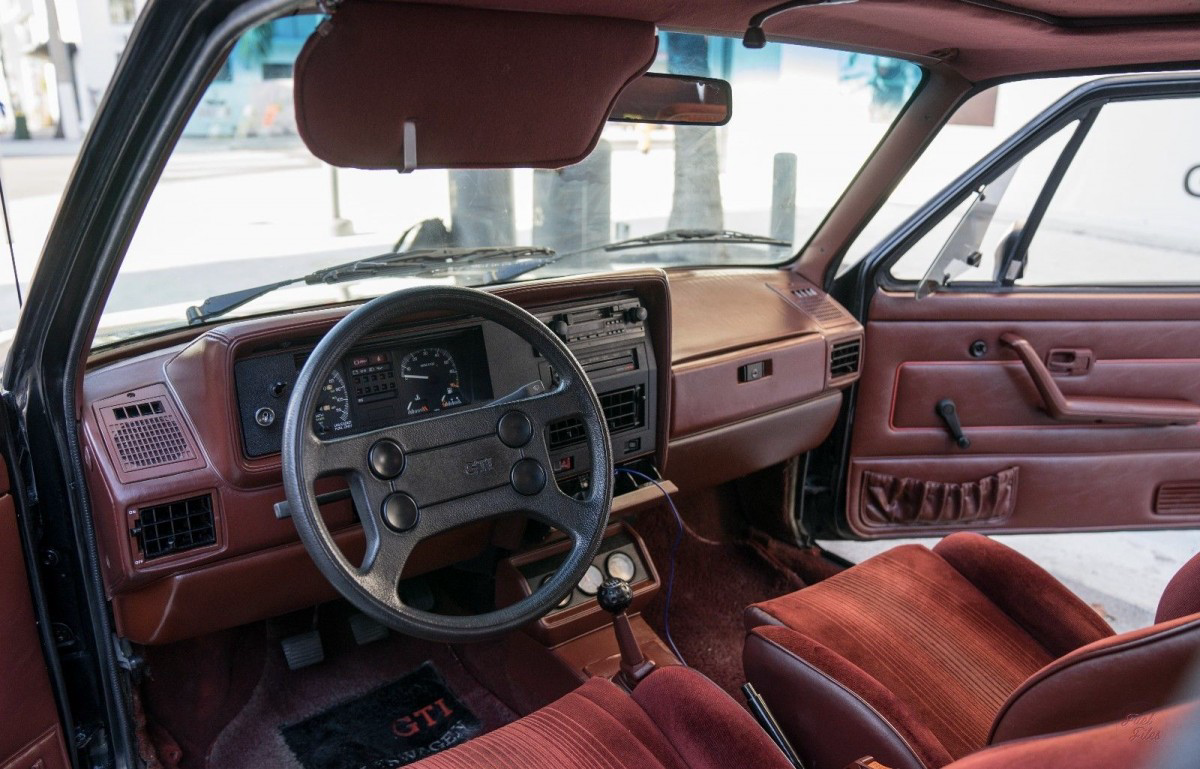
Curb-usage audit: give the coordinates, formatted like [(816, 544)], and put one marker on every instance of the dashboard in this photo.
[(704, 376)]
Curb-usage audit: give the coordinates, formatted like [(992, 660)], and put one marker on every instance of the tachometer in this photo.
[(431, 381), (333, 406)]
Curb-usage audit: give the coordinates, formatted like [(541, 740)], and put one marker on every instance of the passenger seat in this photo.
[(920, 657)]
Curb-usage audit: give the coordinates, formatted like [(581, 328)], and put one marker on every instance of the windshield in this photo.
[(243, 205)]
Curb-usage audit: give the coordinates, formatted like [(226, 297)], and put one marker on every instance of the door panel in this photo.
[(30, 733), (1070, 475)]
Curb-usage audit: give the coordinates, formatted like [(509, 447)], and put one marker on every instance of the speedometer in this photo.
[(431, 381), (333, 406)]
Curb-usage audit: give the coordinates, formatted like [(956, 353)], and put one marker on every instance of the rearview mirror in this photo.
[(674, 100)]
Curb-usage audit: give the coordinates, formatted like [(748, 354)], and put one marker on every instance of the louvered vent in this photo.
[(624, 409), (1178, 498), (175, 527), (146, 435), (843, 358), (566, 432), (819, 306)]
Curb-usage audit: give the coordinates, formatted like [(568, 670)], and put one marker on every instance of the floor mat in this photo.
[(715, 579), (253, 739), (391, 726)]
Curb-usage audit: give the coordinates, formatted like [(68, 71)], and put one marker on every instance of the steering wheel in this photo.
[(419, 478)]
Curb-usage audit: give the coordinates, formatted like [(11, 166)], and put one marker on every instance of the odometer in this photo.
[(333, 406)]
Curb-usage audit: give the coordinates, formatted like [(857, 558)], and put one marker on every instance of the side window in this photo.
[(1121, 214)]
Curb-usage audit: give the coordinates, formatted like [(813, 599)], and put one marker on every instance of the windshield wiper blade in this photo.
[(682, 236), (425, 261)]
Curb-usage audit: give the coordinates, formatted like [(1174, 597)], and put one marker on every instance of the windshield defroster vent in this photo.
[(175, 527), (844, 358)]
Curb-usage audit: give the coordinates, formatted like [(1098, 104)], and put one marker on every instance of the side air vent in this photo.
[(624, 409), (819, 306), (844, 357), (145, 436), (175, 527), (1178, 498)]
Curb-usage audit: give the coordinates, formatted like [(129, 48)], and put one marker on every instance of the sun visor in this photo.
[(398, 85)]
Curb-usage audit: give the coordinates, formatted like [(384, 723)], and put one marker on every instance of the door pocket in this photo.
[(890, 500)]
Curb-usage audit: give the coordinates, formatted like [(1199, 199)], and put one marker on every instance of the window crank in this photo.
[(949, 414)]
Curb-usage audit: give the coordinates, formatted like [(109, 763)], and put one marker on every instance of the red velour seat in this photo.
[(675, 719), (920, 657)]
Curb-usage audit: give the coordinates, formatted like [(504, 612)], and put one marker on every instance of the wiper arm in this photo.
[(679, 237), (425, 261)]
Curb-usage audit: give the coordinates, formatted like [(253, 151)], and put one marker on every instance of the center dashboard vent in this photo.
[(624, 409), (175, 527), (844, 358)]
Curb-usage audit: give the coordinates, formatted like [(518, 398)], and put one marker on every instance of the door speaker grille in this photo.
[(1178, 498)]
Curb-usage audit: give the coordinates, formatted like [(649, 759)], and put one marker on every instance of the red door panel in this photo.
[(1069, 475), (30, 733)]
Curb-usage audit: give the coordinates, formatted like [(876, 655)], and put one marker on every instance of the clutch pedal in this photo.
[(366, 630), (303, 649)]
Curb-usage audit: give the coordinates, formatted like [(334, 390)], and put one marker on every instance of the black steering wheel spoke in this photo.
[(422, 478)]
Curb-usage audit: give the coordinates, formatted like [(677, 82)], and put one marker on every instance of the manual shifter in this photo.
[(615, 596)]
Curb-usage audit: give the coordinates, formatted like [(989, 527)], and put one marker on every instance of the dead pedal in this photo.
[(303, 649), (366, 630)]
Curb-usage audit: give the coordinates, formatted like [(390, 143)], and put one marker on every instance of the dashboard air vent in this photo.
[(565, 432), (1178, 498), (624, 409), (174, 527), (819, 306), (843, 358)]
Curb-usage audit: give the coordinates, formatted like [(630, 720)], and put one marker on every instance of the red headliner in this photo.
[(990, 43)]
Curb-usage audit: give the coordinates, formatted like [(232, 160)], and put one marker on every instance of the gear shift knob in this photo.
[(615, 596)]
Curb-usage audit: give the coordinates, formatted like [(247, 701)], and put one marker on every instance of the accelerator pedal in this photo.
[(303, 649), (366, 630)]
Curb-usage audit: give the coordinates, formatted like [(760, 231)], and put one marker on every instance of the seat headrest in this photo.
[(1182, 596)]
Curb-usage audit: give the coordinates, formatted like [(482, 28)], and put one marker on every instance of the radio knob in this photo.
[(636, 314), (560, 327)]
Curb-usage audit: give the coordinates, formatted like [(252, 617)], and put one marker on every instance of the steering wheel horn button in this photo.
[(514, 429), (528, 477), (400, 512), (386, 459)]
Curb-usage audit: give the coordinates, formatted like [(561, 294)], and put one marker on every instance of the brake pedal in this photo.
[(303, 649), (366, 630)]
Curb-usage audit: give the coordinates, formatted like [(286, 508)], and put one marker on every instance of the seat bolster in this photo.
[(1182, 594), (703, 724), (1104, 681), (1054, 616), (757, 616), (832, 710)]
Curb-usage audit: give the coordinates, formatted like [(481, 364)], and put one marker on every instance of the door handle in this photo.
[(1091, 409), (1069, 362)]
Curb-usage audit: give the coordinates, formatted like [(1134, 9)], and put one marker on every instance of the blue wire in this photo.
[(674, 553)]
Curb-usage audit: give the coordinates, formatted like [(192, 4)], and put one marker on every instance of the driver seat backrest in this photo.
[(920, 656)]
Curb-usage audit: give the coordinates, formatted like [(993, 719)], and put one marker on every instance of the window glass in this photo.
[(1122, 214), (977, 128), (242, 203)]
